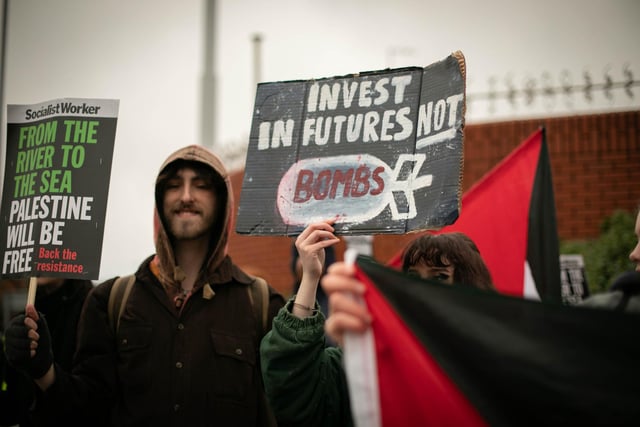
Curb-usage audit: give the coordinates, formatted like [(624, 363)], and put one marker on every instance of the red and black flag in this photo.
[(510, 214), (459, 356)]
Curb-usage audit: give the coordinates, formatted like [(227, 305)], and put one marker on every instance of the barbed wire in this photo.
[(544, 88)]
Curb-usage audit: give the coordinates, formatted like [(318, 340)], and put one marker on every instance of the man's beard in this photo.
[(196, 227), (189, 230)]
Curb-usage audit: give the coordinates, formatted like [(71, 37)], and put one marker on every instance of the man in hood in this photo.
[(185, 351)]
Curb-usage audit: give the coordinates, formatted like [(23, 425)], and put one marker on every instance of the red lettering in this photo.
[(378, 180), (360, 182), (303, 185), (322, 185), (340, 178), (338, 183)]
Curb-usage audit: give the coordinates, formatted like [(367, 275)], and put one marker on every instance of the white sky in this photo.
[(148, 54)]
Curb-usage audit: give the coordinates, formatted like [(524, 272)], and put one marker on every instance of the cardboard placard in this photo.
[(56, 182), (381, 152)]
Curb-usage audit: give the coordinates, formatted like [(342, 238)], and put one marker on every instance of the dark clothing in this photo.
[(178, 359), (196, 368), (624, 294), (305, 380), (61, 308)]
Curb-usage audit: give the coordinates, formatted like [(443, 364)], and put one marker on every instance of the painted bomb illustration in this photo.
[(378, 151), (355, 187)]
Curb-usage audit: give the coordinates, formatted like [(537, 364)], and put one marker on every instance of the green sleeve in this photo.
[(304, 380)]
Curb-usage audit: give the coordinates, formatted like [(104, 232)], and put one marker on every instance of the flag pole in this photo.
[(361, 369)]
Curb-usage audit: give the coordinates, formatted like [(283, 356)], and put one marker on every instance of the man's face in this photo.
[(634, 256), (189, 205), (444, 274)]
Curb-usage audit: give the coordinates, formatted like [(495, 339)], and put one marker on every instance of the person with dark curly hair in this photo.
[(449, 257)]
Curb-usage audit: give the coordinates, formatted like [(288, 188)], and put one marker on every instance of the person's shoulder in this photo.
[(604, 300), (624, 294), (239, 275), (250, 277), (627, 282), (103, 289), (633, 305)]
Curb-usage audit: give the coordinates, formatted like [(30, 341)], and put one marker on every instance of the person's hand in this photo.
[(345, 313), (310, 245), (28, 343)]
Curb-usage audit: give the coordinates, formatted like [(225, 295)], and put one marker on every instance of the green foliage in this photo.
[(607, 256)]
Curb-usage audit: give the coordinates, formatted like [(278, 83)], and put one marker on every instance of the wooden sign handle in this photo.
[(31, 295)]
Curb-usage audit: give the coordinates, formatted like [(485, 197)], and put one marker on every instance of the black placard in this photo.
[(56, 182), (381, 152)]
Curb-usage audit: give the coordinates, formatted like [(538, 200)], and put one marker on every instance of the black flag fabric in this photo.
[(458, 356), (543, 253)]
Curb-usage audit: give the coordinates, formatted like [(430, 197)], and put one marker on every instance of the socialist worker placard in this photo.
[(56, 182), (379, 152)]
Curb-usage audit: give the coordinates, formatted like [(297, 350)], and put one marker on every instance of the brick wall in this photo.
[(595, 161)]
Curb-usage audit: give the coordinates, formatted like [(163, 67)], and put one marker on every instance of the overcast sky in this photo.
[(149, 55)]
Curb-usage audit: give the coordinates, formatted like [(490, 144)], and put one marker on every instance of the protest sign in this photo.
[(381, 152), (574, 288), (56, 182)]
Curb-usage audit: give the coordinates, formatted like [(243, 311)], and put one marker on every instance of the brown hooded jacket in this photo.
[(197, 366)]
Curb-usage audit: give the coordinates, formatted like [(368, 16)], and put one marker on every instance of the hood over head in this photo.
[(168, 272)]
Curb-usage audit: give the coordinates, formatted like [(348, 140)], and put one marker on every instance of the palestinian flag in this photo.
[(458, 356), (510, 215)]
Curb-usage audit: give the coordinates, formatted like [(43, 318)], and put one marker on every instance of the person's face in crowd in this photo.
[(634, 256), (444, 274), (189, 204)]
